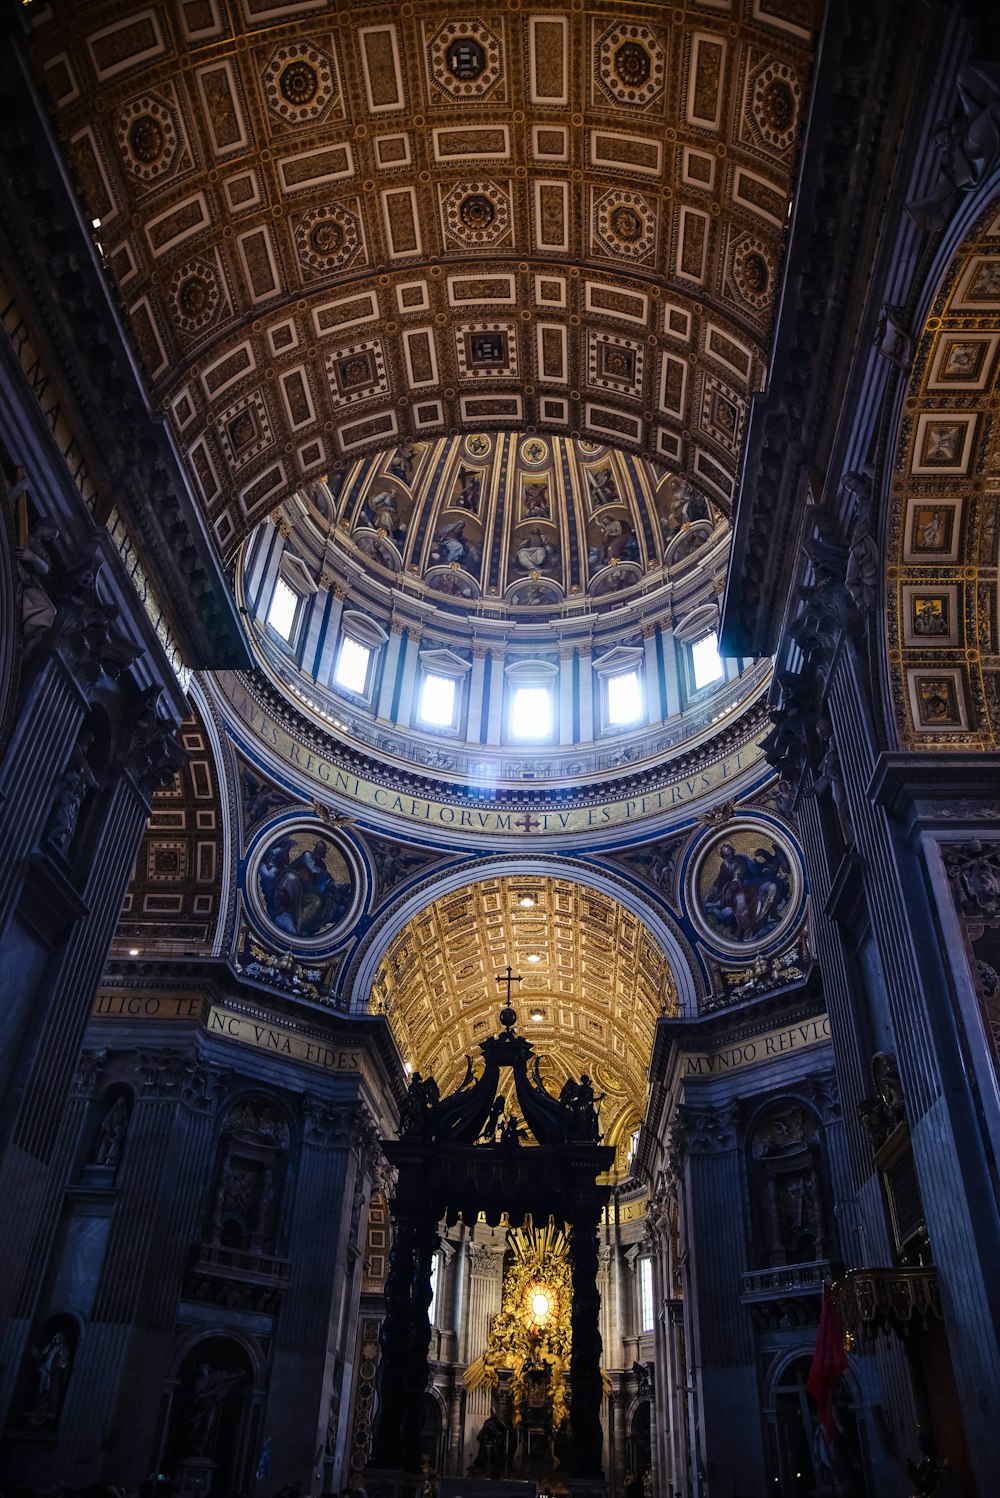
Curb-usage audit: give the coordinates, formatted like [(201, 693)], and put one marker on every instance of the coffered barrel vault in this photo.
[(330, 230)]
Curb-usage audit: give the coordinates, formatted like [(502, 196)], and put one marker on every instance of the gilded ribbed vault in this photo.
[(334, 229), (594, 983)]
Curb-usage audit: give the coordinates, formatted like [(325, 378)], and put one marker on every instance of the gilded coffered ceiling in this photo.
[(944, 537), (593, 984), (331, 229)]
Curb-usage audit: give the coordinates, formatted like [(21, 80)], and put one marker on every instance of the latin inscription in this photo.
[(536, 822), (750, 1052)]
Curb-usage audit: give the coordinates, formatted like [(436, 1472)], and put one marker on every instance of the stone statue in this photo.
[(969, 143), (34, 564), (208, 1389), (53, 1374), (511, 1134), (420, 1099), (111, 1135), (71, 789), (862, 578), (829, 777), (580, 1102)]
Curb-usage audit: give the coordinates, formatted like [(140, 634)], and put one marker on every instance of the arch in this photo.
[(789, 1217), (198, 1334), (368, 959), (213, 1392), (46, 1373), (943, 655), (182, 872)]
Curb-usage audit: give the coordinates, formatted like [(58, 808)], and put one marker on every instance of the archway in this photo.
[(593, 979), (941, 537)]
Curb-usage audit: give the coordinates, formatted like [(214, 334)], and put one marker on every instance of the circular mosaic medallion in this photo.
[(744, 887), (303, 884)]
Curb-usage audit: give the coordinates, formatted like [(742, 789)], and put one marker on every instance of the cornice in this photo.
[(849, 113), (50, 257)]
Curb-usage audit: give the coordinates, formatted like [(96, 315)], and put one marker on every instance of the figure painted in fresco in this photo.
[(686, 506), (749, 895), (618, 542), (535, 497), (303, 895), (534, 552), (452, 585), (601, 487), (452, 546), (380, 512), (379, 551), (468, 490), (403, 462)]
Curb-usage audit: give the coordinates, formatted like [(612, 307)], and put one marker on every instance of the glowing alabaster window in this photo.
[(646, 1295), (282, 609), (438, 699), (624, 698), (706, 662), (531, 712), (351, 670)]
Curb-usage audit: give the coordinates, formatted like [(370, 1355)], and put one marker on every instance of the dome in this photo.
[(499, 607), (504, 523)]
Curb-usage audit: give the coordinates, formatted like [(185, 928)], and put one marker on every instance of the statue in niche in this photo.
[(111, 1135), (51, 1379), (799, 1219), (206, 1392), (238, 1190), (71, 790), (34, 565)]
